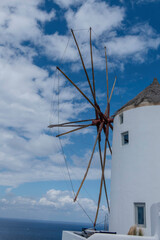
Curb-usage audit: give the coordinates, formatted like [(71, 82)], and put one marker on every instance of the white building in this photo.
[(135, 180)]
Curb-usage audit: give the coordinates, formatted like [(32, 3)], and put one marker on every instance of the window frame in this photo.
[(122, 137), (136, 205), (121, 118)]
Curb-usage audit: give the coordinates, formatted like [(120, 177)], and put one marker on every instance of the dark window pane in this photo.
[(141, 215), (126, 140)]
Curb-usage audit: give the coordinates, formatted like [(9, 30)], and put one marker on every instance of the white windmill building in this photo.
[(135, 180)]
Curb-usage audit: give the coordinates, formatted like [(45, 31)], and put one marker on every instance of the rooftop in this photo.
[(149, 96)]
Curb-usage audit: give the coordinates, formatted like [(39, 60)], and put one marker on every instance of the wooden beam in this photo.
[(111, 126), (69, 125), (107, 76), (94, 91), (110, 149), (59, 135), (85, 175), (102, 179), (61, 124), (112, 89), (83, 64)]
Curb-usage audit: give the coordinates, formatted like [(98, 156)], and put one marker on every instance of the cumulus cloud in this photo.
[(106, 20), (134, 45), (64, 200), (19, 20), (54, 202), (103, 18), (37, 159), (98, 15), (58, 43), (28, 151), (57, 199)]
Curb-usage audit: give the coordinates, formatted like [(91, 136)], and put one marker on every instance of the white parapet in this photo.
[(101, 236), (67, 235)]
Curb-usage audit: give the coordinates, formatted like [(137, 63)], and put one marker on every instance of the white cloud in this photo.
[(34, 171), (105, 20), (68, 3), (19, 20), (54, 202), (54, 46), (64, 200), (27, 152), (83, 160), (126, 45), (98, 15), (37, 159), (57, 198), (134, 45), (62, 48), (23, 200)]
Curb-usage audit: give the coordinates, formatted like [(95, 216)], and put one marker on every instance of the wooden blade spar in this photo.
[(83, 64), (66, 123), (111, 126), (69, 125), (62, 134), (94, 89), (92, 62), (107, 75), (102, 178), (85, 175), (107, 112), (104, 181), (112, 89), (109, 145)]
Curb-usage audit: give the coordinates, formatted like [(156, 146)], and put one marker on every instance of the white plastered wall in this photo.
[(135, 173)]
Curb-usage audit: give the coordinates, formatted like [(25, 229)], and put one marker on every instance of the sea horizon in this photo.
[(43, 220), (31, 229)]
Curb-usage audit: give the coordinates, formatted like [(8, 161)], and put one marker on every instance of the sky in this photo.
[(35, 38)]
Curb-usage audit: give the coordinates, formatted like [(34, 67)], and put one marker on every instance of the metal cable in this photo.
[(67, 163), (65, 48)]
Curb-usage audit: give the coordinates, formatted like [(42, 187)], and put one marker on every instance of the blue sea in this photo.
[(11, 229)]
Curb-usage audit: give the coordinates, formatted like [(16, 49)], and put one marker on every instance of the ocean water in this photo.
[(11, 229)]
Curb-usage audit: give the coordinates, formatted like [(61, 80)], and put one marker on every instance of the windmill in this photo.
[(103, 122)]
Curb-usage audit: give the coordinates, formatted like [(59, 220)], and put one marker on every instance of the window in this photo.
[(125, 138), (121, 118), (140, 214)]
